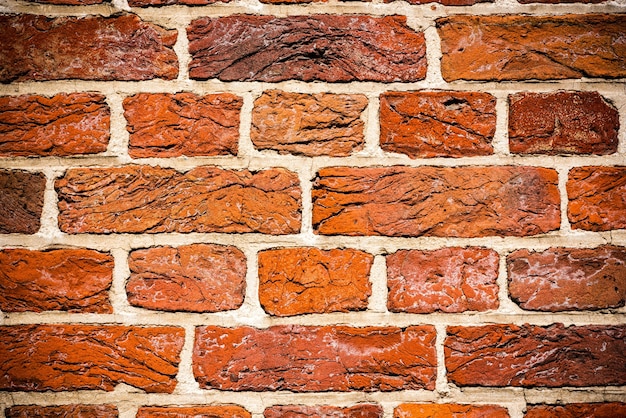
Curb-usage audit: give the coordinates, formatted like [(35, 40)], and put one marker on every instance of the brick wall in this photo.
[(322, 209)]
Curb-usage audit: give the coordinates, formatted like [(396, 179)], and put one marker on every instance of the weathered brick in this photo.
[(560, 1), (437, 124), (295, 281), (75, 280), (577, 410), (562, 123), (517, 47), (173, 125), (64, 124), (308, 124), (436, 201), (596, 198), (445, 2), (148, 199), (446, 280), (415, 410), (213, 411), (566, 279), (324, 411), (192, 278), (157, 3), (333, 48), (552, 356), (73, 357), (120, 48), (71, 2), (305, 359), (21, 201), (62, 411)]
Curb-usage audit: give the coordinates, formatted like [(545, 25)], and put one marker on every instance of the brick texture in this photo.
[(577, 410), (156, 3), (62, 411), (299, 411), (409, 410), (213, 411), (295, 281), (21, 201)]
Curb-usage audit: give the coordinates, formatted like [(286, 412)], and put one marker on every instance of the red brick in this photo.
[(308, 359), (121, 48), (528, 355), (213, 411), (62, 411), (71, 2), (518, 47), (577, 410), (596, 198), (78, 357), (308, 124), (324, 411), (414, 410), (64, 124), (173, 125), (74, 280), (192, 278), (562, 123), (560, 1), (446, 280), (157, 3), (136, 199), (445, 2), (331, 48), (436, 201), (568, 279), (437, 124), (295, 281), (21, 201)]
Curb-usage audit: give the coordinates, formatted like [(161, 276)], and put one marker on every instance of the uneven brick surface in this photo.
[(596, 198), (446, 280), (305, 359), (516, 47), (72, 357), (437, 124), (445, 2), (436, 201), (577, 410), (21, 201), (156, 3), (568, 279), (152, 199), (308, 124), (62, 411), (64, 124), (552, 356), (192, 278), (300, 411), (71, 2), (74, 280), (334, 48), (121, 48), (213, 411), (562, 123), (295, 281), (415, 410), (173, 125)]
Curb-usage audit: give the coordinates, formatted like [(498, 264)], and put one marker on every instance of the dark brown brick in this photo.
[(21, 201)]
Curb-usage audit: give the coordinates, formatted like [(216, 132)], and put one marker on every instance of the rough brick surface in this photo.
[(305, 359), (295, 281), (577, 410), (568, 279), (21, 201), (414, 410), (71, 2), (562, 122), (172, 125), (122, 48), (436, 201), (445, 2), (509, 355), (596, 198), (74, 280), (156, 3), (64, 124), (334, 48), (308, 124), (73, 357), (446, 280), (213, 411), (515, 47), (153, 199), (300, 411), (437, 124), (62, 411), (193, 278)]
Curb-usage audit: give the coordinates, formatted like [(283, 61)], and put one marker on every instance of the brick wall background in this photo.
[(327, 209)]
